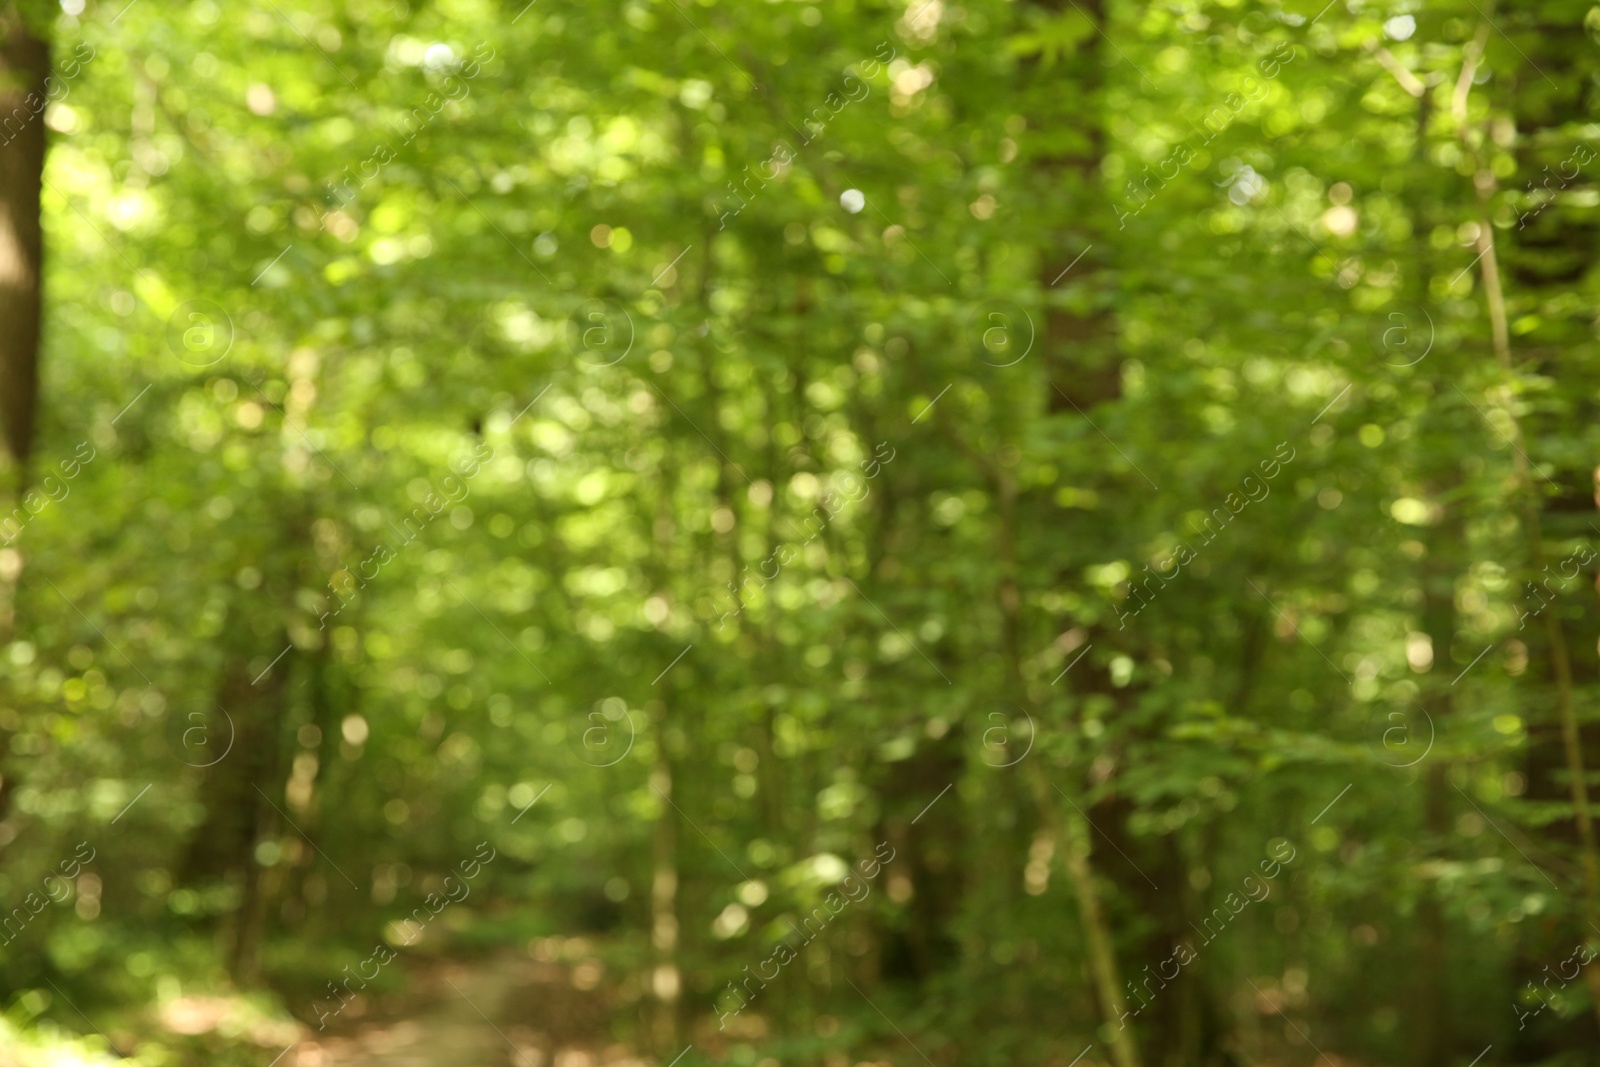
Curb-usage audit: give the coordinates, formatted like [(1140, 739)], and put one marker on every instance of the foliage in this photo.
[(597, 435)]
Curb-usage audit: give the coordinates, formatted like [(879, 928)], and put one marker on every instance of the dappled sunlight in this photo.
[(952, 533)]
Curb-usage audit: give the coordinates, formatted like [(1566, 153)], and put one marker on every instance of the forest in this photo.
[(782, 533)]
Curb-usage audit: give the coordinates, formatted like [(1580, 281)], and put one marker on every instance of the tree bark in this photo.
[(24, 65)]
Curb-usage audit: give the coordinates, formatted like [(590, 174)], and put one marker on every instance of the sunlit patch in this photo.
[(733, 920), (1400, 28), (235, 1017), (260, 99), (1340, 220)]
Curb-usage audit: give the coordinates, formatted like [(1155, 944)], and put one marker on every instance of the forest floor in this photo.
[(505, 1010)]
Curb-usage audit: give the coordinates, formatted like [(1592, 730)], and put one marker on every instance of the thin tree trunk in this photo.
[(1441, 567), (665, 983)]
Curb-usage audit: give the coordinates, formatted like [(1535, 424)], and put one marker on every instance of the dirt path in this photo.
[(503, 1011)]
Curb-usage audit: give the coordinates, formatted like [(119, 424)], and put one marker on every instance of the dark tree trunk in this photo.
[(238, 816), (24, 65), (928, 853)]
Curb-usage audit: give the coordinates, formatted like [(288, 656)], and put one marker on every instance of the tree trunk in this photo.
[(237, 816), (665, 983), (24, 65), (1071, 828)]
